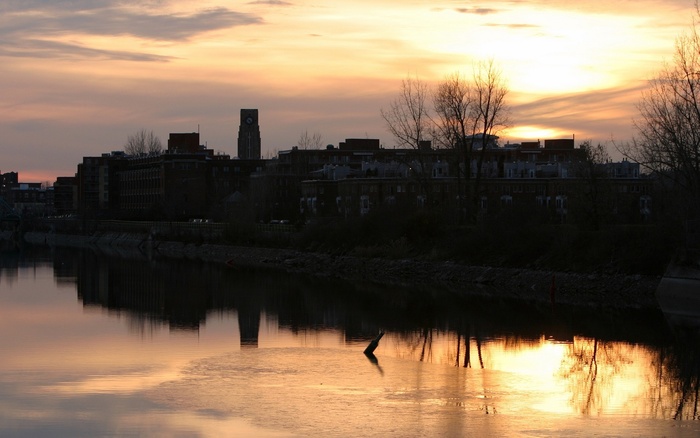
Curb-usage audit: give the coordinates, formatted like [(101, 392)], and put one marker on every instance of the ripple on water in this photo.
[(325, 392)]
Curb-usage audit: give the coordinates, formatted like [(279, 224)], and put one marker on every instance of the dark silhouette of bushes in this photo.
[(510, 240)]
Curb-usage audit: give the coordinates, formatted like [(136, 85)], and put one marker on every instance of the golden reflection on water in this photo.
[(57, 348), (586, 376)]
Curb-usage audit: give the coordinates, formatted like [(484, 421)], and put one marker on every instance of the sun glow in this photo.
[(71, 74), (532, 133)]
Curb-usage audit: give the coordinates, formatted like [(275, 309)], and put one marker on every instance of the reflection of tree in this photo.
[(477, 338), (590, 367), (466, 348), (427, 343), (466, 360), (418, 342), (676, 393)]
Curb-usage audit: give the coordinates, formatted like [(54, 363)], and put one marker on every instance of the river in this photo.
[(97, 344)]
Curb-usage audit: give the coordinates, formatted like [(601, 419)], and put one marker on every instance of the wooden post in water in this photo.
[(374, 343)]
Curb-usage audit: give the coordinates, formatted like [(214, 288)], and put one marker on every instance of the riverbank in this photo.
[(594, 290)]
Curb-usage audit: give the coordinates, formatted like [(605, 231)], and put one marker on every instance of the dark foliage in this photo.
[(510, 241)]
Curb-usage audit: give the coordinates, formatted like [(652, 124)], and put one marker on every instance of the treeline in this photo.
[(515, 240)]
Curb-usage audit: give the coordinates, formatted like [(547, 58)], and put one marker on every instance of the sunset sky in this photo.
[(79, 76)]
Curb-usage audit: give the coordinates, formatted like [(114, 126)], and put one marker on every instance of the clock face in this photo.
[(249, 120)]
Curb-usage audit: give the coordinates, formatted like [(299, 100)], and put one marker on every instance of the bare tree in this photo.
[(454, 124), (313, 141), (407, 117), (595, 190), (491, 114), (668, 127), (143, 143), (408, 120), (469, 115)]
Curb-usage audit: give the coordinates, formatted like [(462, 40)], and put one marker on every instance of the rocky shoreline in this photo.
[(598, 290)]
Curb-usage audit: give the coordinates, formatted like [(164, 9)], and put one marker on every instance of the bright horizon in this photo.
[(80, 76)]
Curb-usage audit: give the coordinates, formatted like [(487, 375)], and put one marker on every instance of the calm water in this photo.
[(123, 345)]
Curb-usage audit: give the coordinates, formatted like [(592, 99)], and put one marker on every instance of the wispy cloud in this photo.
[(120, 22), (596, 114), (513, 25), (476, 11), (59, 5), (31, 48), (30, 29), (271, 3)]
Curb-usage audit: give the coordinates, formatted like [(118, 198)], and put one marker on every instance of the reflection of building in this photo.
[(144, 291), (249, 322)]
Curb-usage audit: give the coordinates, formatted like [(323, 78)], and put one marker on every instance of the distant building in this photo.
[(186, 182), (8, 181), (29, 199), (544, 179), (184, 143), (65, 194), (189, 181), (98, 184), (249, 142)]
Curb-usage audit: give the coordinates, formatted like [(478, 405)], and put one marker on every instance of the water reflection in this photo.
[(592, 363)]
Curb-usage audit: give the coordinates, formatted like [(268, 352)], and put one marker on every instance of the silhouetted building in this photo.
[(359, 144), (29, 199), (65, 195), (98, 184), (186, 143), (544, 180), (8, 180), (249, 143), (187, 182)]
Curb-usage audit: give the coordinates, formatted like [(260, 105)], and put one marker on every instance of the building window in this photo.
[(645, 207), (543, 201), (484, 203), (561, 202), (364, 204)]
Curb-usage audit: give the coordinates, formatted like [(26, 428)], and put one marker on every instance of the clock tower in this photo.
[(249, 135)]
